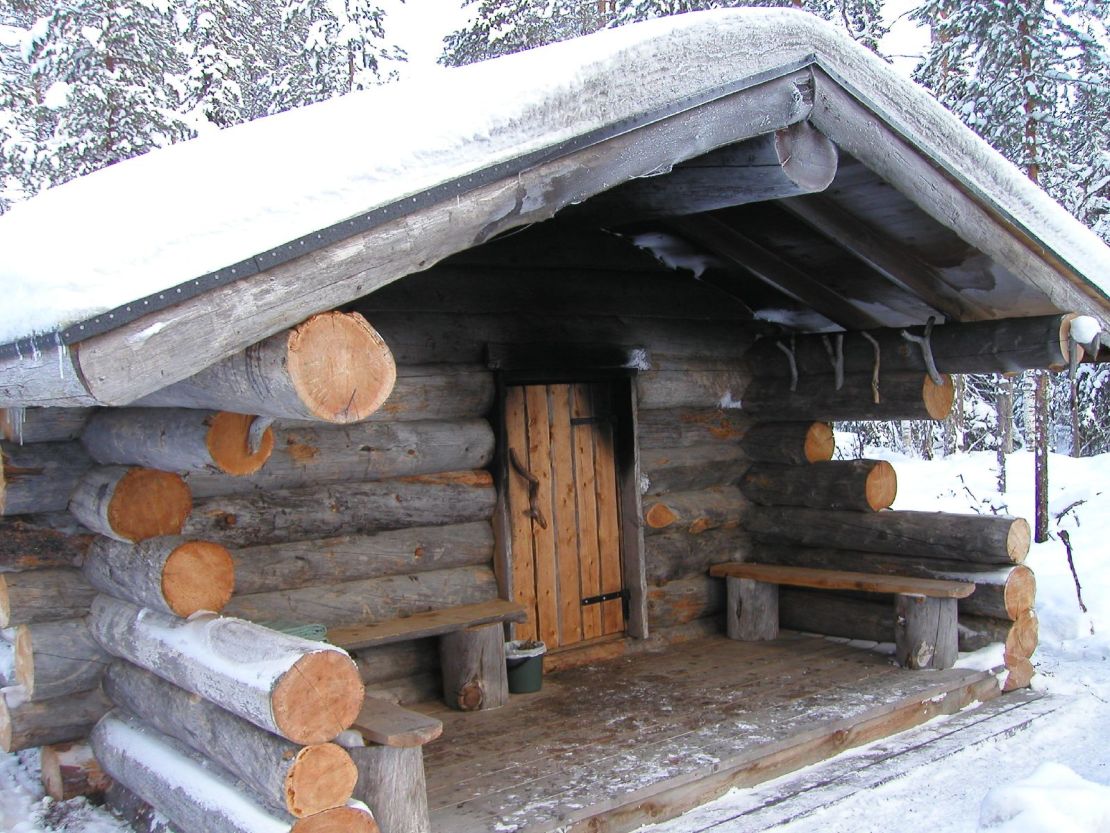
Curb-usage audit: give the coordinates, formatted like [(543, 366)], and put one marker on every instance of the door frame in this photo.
[(629, 500)]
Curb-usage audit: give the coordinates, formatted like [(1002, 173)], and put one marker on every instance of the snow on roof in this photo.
[(162, 220)]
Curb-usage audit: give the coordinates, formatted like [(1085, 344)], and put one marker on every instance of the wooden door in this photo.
[(564, 511)]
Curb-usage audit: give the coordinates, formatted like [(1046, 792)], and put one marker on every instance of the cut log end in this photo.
[(3, 486), (1018, 540), (341, 369), (319, 697), (881, 486), (338, 820), (70, 770), (227, 443), (24, 659), (6, 731), (198, 575), (148, 503), (5, 604), (322, 776), (1024, 636), (659, 516), (1020, 593), (938, 399), (820, 442), (1019, 674)]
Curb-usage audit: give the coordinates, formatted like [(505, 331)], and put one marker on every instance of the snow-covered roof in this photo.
[(122, 244)]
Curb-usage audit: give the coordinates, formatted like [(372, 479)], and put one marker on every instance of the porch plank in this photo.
[(620, 744)]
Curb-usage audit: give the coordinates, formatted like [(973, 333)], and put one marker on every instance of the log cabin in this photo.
[(551, 357)]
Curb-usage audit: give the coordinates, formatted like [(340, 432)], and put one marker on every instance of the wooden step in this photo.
[(388, 724)]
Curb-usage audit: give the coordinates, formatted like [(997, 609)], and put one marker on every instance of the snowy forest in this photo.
[(91, 82)]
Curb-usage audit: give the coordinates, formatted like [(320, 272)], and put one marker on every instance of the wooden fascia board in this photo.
[(870, 136), (164, 347)]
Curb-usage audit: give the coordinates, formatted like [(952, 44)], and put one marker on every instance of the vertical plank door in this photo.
[(564, 511)]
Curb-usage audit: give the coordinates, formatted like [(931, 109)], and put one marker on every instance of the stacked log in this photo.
[(131, 504), (42, 425), (70, 770), (39, 477)]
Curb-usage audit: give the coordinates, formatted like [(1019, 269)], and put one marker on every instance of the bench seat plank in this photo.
[(388, 724), (431, 623), (844, 580)]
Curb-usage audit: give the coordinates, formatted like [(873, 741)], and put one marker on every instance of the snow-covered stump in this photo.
[(170, 574), (333, 367), (131, 504), (25, 724), (176, 439), (43, 596), (307, 692), (70, 770), (196, 796), (297, 780), (57, 658)]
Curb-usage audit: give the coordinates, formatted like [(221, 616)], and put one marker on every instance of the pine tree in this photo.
[(216, 54), (21, 145)]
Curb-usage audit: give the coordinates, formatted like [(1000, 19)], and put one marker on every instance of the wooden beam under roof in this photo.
[(887, 256), (732, 245)]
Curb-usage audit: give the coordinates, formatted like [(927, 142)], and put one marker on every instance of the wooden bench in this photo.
[(924, 609), (471, 647)]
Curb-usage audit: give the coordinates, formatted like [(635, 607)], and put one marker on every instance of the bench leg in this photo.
[(473, 664), (752, 612), (925, 632), (391, 782)]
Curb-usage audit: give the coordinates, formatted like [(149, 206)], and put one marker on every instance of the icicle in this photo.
[(16, 417), (63, 354)]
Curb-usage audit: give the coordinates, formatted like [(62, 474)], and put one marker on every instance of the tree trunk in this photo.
[(1001, 346), (473, 667), (175, 780), (297, 780), (369, 600), (853, 485), (40, 477), (43, 596), (351, 453), (298, 564), (305, 691), (27, 545), (975, 539), (131, 504), (751, 609), (170, 574), (789, 443), (692, 468), (328, 510), (333, 367), (25, 724), (70, 770), (23, 426), (53, 659), (925, 632), (391, 782), (901, 396), (714, 508), (1040, 459), (684, 427), (176, 439)]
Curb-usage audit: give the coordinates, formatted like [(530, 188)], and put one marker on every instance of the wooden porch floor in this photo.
[(612, 746)]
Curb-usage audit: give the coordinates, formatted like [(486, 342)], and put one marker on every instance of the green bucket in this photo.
[(525, 666)]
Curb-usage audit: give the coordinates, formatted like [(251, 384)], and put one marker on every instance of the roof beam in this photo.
[(727, 243), (887, 256), (784, 163)]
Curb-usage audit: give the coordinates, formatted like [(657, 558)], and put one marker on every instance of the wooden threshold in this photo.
[(642, 738)]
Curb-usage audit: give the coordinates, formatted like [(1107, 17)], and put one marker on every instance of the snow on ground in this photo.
[(1053, 777)]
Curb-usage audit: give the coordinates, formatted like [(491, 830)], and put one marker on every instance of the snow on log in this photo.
[(789, 443), (42, 425), (333, 367), (299, 780), (905, 395), (170, 574), (25, 724), (975, 539), (369, 451), (176, 439), (39, 477), (307, 692), (131, 504), (193, 794), (70, 770), (7, 663), (57, 658), (43, 596), (327, 510), (714, 508), (854, 485), (28, 544), (272, 567)]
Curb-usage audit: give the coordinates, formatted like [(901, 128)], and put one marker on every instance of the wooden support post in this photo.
[(752, 612), (925, 631), (391, 783), (131, 504), (474, 672)]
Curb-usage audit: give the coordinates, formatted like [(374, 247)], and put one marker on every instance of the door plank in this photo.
[(590, 560), (522, 556), (539, 455), (565, 517), (605, 480)]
